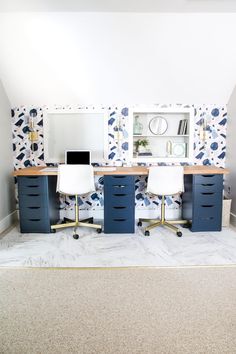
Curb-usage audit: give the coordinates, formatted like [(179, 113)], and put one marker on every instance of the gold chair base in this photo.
[(169, 224), (76, 223)]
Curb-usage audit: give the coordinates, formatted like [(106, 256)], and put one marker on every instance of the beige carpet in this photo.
[(165, 310)]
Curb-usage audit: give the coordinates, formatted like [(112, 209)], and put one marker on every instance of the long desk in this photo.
[(39, 202)]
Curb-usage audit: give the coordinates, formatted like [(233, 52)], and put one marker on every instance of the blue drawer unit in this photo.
[(119, 204), (38, 203), (202, 201)]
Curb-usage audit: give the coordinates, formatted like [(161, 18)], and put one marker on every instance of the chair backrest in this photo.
[(75, 179), (165, 180)]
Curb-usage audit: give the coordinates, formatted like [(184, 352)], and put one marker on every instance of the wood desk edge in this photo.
[(135, 170)]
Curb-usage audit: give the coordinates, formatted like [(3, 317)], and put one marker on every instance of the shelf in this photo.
[(161, 136), (146, 122)]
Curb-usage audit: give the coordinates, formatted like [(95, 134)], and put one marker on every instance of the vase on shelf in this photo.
[(138, 127)]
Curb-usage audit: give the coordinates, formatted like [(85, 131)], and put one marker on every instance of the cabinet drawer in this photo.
[(34, 212), (119, 212), (207, 198), (32, 184), (118, 180), (119, 225), (119, 199), (208, 179), (207, 210), (32, 200), (119, 188), (208, 188), (206, 223), (34, 225)]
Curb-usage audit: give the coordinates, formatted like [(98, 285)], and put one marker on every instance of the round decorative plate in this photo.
[(178, 149)]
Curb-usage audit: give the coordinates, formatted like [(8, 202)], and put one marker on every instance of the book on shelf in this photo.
[(179, 127), (146, 153), (183, 127)]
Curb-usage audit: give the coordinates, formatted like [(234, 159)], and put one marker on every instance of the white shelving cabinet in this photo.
[(161, 128)]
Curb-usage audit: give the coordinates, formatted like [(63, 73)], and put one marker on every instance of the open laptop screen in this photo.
[(77, 157)]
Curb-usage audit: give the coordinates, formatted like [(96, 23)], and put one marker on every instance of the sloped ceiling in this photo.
[(105, 58), (120, 5)]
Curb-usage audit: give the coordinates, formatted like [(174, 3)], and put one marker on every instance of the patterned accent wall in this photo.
[(209, 147)]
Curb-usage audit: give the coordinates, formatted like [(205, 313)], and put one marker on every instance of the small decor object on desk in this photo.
[(138, 127)]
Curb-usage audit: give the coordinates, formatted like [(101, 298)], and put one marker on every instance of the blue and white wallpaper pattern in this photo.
[(208, 151)]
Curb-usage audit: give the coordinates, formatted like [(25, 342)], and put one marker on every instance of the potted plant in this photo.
[(141, 144)]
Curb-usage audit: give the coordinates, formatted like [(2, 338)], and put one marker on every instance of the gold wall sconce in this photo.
[(203, 130), (33, 134)]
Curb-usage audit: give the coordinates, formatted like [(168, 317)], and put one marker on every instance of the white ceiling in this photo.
[(119, 5)]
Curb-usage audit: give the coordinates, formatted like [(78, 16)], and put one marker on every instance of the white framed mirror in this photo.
[(158, 125), (80, 129)]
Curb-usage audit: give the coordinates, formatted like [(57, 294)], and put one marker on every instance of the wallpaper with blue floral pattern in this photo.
[(207, 151)]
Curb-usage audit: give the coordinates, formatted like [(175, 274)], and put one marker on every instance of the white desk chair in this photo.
[(164, 181), (76, 180)]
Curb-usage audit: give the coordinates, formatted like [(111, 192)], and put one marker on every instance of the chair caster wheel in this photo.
[(139, 223), (76, 236), (186, 226), (147, 233), (99, 231), (179, 233)]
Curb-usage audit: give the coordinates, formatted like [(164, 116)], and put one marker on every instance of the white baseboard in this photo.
[(8, 221), (233, 219)]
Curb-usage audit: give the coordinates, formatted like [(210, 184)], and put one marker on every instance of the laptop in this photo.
[(77, 157)]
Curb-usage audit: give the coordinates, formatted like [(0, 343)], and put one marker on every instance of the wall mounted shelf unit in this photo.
[(161, 135)]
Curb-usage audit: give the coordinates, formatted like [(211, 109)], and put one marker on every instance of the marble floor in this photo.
[(162, 248)]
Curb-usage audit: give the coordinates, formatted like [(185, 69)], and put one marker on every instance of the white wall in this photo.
[(230, 180), (67, 58), (7, 204)]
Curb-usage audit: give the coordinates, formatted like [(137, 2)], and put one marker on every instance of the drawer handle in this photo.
[(32, 186), (119, 176), (119, 194), (34, 207), (207, 193), (119, 186), (33, 195), (207, 206), (119, 207), (34, 219), (119, 219), (207, 175), (208, 218), (32, 177), (207, 184)]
